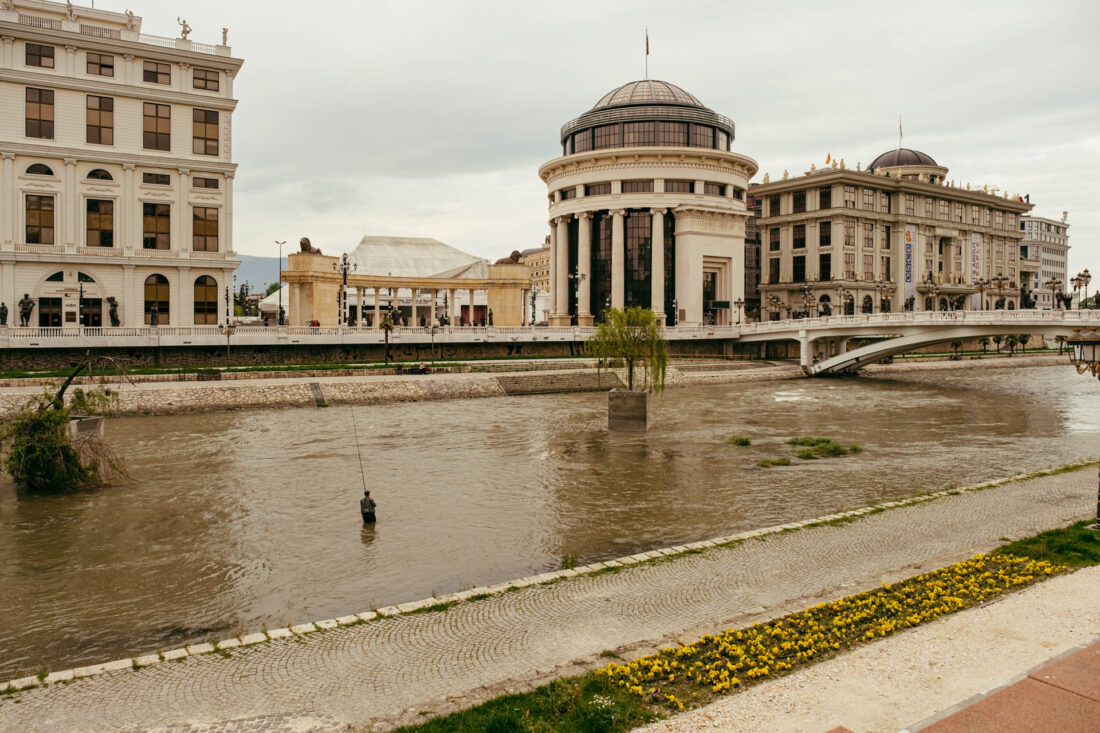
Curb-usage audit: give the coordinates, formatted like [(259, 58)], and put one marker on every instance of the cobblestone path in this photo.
[(395, 667)]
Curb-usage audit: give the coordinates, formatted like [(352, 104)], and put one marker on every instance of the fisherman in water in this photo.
[(367, 507)]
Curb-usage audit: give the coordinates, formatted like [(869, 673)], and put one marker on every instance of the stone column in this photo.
[(553, 259), (6, 59), (584, 262), (129, 203), (227, 215), (452, 307), (561, 274), (133, 309), (618, 259), (128, 68), (183, 227), (471, 307), (183, 87), (657, 284), (70, 60), (7, 291), (377, 308), (434, 305), (69, 235), (187, 299), (8, 208)]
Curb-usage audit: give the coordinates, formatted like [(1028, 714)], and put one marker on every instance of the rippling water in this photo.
[(245, 520)]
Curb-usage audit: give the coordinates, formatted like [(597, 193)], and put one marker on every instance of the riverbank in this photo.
[(446, 653), (165, 395)]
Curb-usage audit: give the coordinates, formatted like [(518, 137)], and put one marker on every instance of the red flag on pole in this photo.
[(646, 41), (828, 158)]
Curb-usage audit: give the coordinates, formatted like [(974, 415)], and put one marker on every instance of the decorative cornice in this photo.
[(115, 89), (662, 210), (584, 214), (618, 212)]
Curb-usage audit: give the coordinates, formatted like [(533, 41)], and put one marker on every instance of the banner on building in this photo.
[(976, 268), (910, 244)]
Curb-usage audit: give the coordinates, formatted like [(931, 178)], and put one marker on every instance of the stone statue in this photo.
[(8, 5), (131, 24), (367, 507), (282, 316), (26, 307), (490, 316), (225, 36), (112, 311), (3, 314), (512, 259), (308, 247), (184, 28), (154, 312), (70, 11)]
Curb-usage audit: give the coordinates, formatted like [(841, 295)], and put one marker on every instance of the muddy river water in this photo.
[(240, 521)]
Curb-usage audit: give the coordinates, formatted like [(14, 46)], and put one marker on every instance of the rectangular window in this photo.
[(825, 197), (884, 202), (886, 237), (723, 141), (957, 211), (568, 193), (849, 197), (942, 210), (156, 226), (40, 113), (582, 141), (825, 266), (100, 64), (201, 182), (607, 136), (798, 202), (884, 268), (204, 229), (773, 205), (849, 265), (702, 136), (40, 56), (799, 236), (100, 120), (868, 199), (773, 239), (597, 189), (637, 186), (910, 204), (928, 206), (679, 186), (868, 267), (999, 220), (157, 127), (849, 234), (204, 132), (100, 223), (206, 79), (773, 270), (798, 269), (825, 234), (672, 133), (155, 72), (40, 219), (637, 134), (868, 235), (157, 179), (714, 189)]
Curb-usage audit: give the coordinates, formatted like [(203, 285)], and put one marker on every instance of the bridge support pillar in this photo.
[(841, 346), (806, 352)]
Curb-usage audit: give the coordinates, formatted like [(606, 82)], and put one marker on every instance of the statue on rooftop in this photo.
[(308, 247), (112, 311), (131, 24), (70, 11), (225, 36), (3, 314), (26, 307), (8, 4), (184, 28), (512, 259)]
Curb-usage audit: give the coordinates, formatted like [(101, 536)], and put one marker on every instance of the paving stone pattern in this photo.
[(393, 667)]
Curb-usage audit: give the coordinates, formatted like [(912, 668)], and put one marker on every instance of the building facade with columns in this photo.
[(896, 236), (1044, 251), (647, 208), (117, 180)]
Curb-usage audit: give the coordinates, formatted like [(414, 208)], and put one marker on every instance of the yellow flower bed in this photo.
[(719, 664)]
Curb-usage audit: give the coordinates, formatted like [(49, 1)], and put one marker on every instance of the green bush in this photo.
[(781, 461), (738, 440), (41, 457), (815, 448)]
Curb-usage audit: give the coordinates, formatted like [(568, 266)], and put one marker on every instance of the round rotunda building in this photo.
[(647, 208)]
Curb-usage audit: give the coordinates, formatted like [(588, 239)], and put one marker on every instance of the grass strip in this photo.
[(619, 697)]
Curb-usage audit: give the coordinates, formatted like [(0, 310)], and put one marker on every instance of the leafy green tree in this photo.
[(632, 336), (386, 324), (1024, 338), (1011, 341), (997, 340), (271, 288), (984, 341), (956, 345)]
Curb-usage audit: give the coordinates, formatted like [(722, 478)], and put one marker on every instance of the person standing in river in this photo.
[(367, 508)]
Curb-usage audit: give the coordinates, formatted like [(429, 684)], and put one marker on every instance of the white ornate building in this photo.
[(647, 208), (1044, 251), (117, 179)]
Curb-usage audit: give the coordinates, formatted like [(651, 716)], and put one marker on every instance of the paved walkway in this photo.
[(394, 667)]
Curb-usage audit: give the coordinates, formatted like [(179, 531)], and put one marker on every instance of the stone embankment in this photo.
[(166, 395)]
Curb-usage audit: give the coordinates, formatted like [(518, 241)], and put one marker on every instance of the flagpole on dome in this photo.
[(647, 53), (897, 160)]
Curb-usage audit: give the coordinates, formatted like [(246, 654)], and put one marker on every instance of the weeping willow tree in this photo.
[(386, 325), (39, 451), (633, 337)]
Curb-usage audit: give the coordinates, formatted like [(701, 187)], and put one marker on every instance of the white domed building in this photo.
[(647, 208)]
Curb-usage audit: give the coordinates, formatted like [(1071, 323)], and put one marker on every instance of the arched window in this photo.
[(156, 294), (39, 169), (100, 175), (825, 305), (57, 277), (944, 305), (206, 301)]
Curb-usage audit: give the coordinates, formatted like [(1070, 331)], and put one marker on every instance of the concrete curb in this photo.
[(444, 602)]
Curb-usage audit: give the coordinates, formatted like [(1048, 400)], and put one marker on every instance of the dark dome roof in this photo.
[(903, 156), (648, 91)]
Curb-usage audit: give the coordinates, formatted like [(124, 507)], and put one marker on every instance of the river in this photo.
[(240, 521)]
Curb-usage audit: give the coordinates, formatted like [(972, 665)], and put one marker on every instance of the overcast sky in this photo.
[(431, 118)]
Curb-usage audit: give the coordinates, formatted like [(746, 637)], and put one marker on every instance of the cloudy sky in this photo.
[(431, 118)]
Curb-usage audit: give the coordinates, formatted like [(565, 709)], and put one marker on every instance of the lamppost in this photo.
[(982, 285), (885, 290), (1053, 285), (577, 277), (1086, 358), (843, 295), (739, 303), (80, 307), (243, 295), (999, 283), (279, 280), (344, 266), (807, 298), (1082, 281), (675, 310), (931, 289), (229, 303), (775, 303)]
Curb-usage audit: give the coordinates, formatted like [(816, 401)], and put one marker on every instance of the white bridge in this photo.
[(894, 333)]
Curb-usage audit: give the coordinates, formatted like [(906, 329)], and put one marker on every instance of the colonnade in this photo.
[(559, 259)]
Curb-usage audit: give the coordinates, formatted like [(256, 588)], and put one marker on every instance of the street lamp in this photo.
[(1085, 357), (740, 303), (843, 295), (1053, 285), (344, 266), (982, 285), (279, 281), (675, 311), (931, 289), (80, 307), (1081, 281), (229, 302)]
